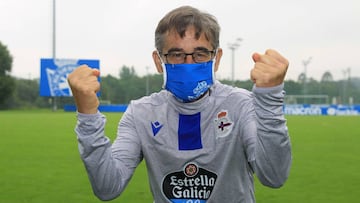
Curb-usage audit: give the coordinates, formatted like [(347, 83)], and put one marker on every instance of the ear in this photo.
[(157, 61), (217, 58)]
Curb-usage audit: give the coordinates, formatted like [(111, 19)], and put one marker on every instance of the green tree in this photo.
[(7, 84), (110, 89), (327, 77), (26, 95), (293, 88), (130, 86), (155, 82)]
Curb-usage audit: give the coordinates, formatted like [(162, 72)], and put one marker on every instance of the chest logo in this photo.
[(223, 124), (156, 126), (192, 184)]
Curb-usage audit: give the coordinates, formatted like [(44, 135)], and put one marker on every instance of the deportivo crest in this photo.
[(54, 73), (199, 89), (57, 78), (223, 124), (192, 184)]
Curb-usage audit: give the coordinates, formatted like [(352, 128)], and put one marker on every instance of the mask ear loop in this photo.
[(164, 70), (215, 53), (213, 65), (159, 55)]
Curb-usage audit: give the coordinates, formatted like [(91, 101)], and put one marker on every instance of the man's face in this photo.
[(187, 44)]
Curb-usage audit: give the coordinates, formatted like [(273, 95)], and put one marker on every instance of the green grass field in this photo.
[(39, 161)]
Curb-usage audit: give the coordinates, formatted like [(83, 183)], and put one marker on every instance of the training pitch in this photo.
[(39, 161)]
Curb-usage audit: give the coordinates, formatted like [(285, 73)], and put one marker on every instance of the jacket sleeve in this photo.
[(108, 165), (271, 159)]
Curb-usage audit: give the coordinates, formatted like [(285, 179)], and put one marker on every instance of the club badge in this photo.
[(223, 124)]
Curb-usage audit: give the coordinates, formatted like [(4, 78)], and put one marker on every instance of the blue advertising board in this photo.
[(325, 110), (53, 77), (289, 109)]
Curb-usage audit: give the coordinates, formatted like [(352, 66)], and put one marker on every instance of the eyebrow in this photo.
[(182, 50)]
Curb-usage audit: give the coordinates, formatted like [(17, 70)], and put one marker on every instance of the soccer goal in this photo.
[(307, 99)]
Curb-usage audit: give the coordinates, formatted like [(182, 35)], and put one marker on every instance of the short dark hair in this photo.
[(181, 18)]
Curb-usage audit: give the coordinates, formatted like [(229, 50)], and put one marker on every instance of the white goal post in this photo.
[(307, 99)]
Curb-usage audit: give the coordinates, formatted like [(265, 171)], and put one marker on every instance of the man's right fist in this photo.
[(84, 85)]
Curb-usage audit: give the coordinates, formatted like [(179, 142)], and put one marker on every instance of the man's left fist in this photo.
[(269, 69)]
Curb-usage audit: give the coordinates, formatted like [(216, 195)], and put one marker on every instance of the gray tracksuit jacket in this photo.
[(201, 152)]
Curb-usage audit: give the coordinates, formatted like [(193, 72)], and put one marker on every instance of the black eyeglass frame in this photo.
[(211, 52)]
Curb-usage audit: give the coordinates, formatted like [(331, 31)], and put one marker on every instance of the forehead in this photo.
[(188, 43)]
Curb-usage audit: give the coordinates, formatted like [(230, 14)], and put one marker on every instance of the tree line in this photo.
[(128, 86), (20, 93)]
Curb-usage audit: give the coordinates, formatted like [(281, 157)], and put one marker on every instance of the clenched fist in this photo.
[(269, 69), (84, 85)]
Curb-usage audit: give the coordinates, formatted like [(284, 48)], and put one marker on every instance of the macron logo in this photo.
[(156, 126)]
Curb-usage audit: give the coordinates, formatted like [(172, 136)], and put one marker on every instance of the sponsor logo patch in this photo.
[(192, 184), (156, 126)]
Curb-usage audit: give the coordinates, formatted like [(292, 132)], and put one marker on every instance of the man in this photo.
[(201, 140)]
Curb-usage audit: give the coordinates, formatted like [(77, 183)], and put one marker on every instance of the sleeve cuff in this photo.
[(268, 90), (84, 117), (89, 123)]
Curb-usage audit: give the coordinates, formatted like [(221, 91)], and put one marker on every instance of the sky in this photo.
[(326, 33)]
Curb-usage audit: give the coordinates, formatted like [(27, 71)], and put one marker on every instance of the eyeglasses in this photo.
[(199, 56)]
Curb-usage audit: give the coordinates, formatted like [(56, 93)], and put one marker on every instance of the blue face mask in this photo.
[(188, 82)]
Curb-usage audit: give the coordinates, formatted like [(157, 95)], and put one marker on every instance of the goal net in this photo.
[(307, 99)]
